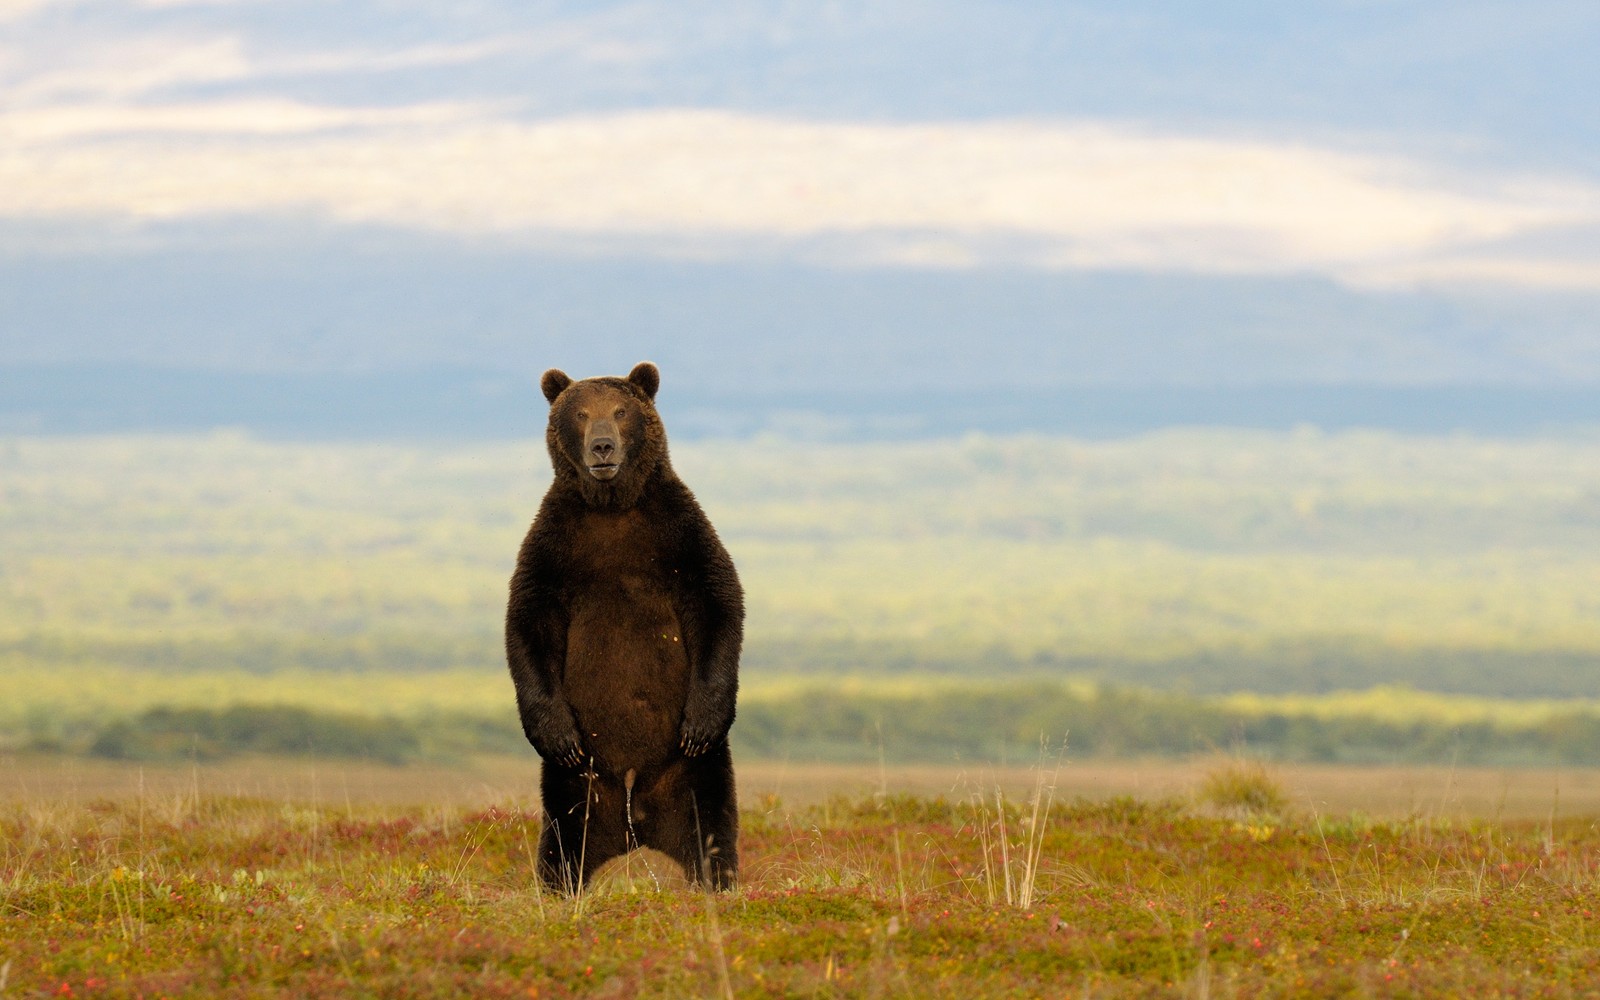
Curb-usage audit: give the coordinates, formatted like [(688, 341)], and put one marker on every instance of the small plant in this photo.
[(1018, 878), (1245, 788)]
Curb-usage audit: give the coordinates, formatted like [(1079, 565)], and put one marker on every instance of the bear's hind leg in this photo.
[(558, 868), (700, 828), (583, 829)]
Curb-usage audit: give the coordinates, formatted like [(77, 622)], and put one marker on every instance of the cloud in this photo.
[(1533, 274), (257, 117), (125, 69), (1019, 193), (390, 60), (126, 66), (16, 10)]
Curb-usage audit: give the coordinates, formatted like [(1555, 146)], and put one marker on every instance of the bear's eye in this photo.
[(583, 414), (621, 413)]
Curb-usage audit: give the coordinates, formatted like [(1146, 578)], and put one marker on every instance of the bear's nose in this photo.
[(602, 448)]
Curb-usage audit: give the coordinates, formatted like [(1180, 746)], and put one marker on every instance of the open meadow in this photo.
[(316, 880)]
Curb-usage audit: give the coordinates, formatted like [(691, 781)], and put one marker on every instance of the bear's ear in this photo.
[(647, 377), (553, 382)]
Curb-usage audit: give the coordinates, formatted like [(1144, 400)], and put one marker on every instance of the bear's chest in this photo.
[(626, 673), (618, 552)]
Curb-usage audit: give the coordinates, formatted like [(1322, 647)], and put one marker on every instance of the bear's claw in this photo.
[(695, 745), (567, 753)]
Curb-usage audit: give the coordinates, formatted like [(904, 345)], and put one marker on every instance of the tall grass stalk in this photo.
[(714, 932), (142, 854), (533, 867), (894, 825), (122, 902), (984, 851), (579, 897), (456, 874), (1016, 883), (1333, 869), (1043, 798), (713, 924), (900, 876), (1005, 844)]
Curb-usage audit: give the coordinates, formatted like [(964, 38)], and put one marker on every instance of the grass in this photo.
[(185, 894), (1244, 787)]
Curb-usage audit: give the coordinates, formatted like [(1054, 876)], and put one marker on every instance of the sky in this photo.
[(1370, 191)]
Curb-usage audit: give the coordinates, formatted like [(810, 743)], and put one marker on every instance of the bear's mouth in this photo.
[(603, 470)]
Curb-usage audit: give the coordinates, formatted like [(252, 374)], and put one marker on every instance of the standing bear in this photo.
[(623, 634)]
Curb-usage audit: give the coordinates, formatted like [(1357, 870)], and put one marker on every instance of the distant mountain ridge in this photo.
[(358, 302)]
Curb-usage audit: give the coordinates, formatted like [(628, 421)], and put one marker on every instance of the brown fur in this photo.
[(623, 633)]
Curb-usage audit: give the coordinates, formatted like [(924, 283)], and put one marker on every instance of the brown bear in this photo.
[(623, 633)]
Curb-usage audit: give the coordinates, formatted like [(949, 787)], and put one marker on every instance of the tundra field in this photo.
[(1004, 885), (1003, 710)]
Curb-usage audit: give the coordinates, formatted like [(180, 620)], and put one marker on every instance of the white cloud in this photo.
[(221, 119), (389, 60), (1536, 274), (125, 69), (16, 10), (1059, 195)]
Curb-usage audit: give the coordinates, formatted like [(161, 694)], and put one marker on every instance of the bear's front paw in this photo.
[(563, 749), (696, 740)]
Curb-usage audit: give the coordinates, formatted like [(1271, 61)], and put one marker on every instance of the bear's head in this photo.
[(605, 436)]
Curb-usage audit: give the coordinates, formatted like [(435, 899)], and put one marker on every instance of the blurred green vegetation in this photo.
[(1005, 723), (1017, 723), (1190, 564), (206, 734), (1192, 560)]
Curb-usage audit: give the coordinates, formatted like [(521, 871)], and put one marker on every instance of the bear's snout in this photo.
[(602, 455)]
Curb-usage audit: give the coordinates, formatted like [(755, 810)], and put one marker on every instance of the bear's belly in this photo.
[(627, 677)]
